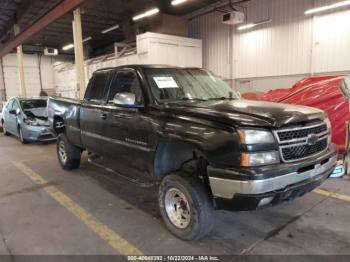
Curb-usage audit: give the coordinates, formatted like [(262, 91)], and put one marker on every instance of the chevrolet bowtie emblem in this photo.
[(312, 139)]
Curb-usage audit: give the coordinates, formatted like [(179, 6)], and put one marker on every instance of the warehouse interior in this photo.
[(261, 49)]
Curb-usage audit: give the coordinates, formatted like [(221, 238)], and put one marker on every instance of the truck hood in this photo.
[(246, 113)]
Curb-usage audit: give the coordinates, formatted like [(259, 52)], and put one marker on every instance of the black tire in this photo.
[(71, 159), (200, 222), (21, 138), (4, 129)]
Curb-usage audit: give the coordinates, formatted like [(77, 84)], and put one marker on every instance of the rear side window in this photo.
[(97, 88), (9, 105)]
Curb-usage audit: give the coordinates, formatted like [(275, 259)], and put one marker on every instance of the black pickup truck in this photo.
[(186, 130)]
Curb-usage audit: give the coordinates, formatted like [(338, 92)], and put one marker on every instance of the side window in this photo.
[(126, 81), (15, 105), (97, 88)]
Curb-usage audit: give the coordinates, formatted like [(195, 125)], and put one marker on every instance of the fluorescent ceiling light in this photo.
[(146, 14), (67, 47), (110, 29), (244, 27), (178, 2), (87, 39), (252, 25), (327, 7), (70, 46)]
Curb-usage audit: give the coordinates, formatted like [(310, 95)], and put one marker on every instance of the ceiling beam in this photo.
[(51, 16)]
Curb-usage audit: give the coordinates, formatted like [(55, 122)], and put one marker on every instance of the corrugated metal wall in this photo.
[(216, 44), (292, 45)]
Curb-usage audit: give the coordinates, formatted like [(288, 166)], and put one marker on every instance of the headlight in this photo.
[(250, 137), (260, 158), (31, 122)]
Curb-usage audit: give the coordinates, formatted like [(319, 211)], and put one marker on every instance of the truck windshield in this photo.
[(177, 84)]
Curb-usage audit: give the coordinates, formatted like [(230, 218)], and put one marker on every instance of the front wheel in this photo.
[(68, 155), (185, 207), (20, 134)]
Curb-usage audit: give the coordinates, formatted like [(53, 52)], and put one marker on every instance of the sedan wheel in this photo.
[(20, 133), (4, 129)]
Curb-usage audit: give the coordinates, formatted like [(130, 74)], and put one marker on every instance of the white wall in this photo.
[(31, 74), (276, 54)]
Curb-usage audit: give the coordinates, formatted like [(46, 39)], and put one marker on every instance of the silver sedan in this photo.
[(27, 119)]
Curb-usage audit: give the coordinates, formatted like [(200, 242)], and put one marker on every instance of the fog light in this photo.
[(265, 201)]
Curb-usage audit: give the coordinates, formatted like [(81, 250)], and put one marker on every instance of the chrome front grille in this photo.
[(298, 143)]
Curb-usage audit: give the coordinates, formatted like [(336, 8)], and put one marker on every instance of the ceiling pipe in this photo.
[(51, 16)]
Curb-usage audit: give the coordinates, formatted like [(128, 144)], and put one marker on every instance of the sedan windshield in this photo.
[(35, 103), (173, 84), (34, 107)]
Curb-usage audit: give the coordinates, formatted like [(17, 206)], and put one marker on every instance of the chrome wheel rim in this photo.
[(177, 208), (62, 152)]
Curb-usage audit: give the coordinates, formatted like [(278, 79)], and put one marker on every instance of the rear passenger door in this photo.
[(93, 113)]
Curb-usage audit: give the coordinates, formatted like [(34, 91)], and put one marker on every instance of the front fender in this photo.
[(220, 145)]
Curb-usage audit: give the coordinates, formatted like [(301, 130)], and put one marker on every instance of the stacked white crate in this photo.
[(152, 48)]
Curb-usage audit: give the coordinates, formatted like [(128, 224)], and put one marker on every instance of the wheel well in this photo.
[(58, 125), (172, 156)]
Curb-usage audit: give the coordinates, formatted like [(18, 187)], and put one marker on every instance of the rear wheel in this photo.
[(185, 207), (68, 155), (20, 134), (4, 129)]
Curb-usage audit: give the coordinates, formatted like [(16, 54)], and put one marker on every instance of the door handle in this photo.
[(103, 116)]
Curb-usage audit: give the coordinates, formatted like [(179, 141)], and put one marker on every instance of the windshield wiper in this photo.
[(222, 98), (192, 99)]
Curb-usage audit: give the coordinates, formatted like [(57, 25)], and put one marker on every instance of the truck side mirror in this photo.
[(125, 100)]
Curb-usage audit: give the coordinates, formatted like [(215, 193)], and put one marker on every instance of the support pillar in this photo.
[(2, 83), (79, 52), (20, 65)]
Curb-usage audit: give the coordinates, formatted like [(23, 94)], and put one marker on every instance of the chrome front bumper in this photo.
[(227, 188)]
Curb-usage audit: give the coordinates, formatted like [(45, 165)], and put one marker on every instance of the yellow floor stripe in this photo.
[(116, 241), (331, 194)]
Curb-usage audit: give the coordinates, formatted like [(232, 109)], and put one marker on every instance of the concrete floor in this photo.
[(33, 222)]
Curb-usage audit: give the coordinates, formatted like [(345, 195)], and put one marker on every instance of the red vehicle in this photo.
[(329, 93)]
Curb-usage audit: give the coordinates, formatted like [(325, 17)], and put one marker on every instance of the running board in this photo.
[(144, 184)]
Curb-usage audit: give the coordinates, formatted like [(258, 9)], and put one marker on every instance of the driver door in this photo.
[(128, 128)]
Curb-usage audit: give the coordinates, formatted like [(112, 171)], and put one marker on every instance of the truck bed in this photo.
[(66, 110)]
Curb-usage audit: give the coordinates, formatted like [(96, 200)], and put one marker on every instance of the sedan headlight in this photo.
[(251, 137), (31, 122), (260, 158)]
